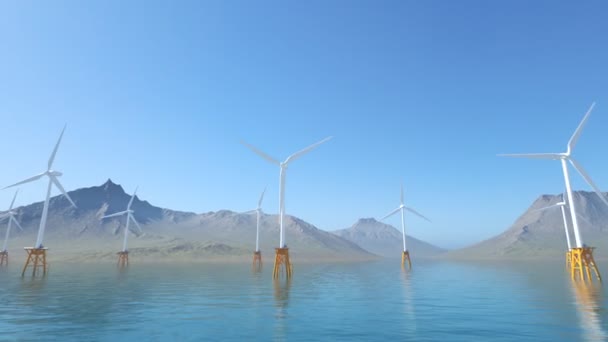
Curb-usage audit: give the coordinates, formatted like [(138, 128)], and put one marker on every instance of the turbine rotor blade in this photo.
[(588, 179), (261, 198), (579, 129), (533, 155), (120, 213), (14, 198), (416, 213), (401, 193), (52, 157), (305, 150), (31, 179), (390, 214), (16, 223), (583, 218), (260, 153), (132, 198), (136, 224), (549, 207), (60, 187)]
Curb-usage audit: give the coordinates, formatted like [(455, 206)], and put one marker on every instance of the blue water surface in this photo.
[(370, 301)]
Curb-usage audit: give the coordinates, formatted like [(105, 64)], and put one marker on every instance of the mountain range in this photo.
[(81, 234)]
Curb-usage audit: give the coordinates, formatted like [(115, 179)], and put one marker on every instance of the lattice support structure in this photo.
[(4, 258), (582, 264), (36, 259), (568, 259), (405, 258), (123, 259), (257, 261), (282, 266)]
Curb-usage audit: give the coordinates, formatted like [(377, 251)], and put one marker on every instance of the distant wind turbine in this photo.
[(257, 254), (258, 212), (563, 205), (53, 180), (402, 208), (123, 259), (11, 219)]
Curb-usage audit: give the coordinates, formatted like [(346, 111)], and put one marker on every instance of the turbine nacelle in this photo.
[(54, 173)]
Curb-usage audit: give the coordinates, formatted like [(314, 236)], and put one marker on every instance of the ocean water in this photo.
[(371, 301)]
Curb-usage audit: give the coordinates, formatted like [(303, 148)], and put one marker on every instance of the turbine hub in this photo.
[(54, 173)]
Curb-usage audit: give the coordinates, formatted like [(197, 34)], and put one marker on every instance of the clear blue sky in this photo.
[(159, 94)]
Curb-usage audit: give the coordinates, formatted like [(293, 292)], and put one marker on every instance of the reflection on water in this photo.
[(281, 302), (408, 301), (588, 298)]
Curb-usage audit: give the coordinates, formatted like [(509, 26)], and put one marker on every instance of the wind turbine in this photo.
[(123, 256), (282, 256), (582, 256), (257, 254), (11, 219), (563, 206), (402, 208), (37, 254)]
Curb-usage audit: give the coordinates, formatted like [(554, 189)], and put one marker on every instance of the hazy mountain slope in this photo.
[(167, 233), (541, 233), (384, 240)]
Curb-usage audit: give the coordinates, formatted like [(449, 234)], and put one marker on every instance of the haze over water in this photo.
[(374, 301)]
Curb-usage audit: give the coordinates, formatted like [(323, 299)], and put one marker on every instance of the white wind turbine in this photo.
[(130, 218), (259, 213), (53, 180), (283, 170), (11, 219), (402, 208), (563, 205), (564, 158)]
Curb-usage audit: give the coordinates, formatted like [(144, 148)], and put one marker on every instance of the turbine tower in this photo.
[(405, 256), (581, 256), (282, 252), (123, 255), (37, 254), (257, 254), (11, 219)]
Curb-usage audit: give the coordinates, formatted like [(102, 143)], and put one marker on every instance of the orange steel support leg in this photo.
[(37, 257), (4, 258), (568, 259), (123, 259), (282, 264), (583, 263), (257, 261), (405, 257)]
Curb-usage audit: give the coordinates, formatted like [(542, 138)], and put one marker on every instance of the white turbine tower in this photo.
[(53, 180), (130, 218), (10, 214), (402, 208), (585, 258), (283, 170)]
